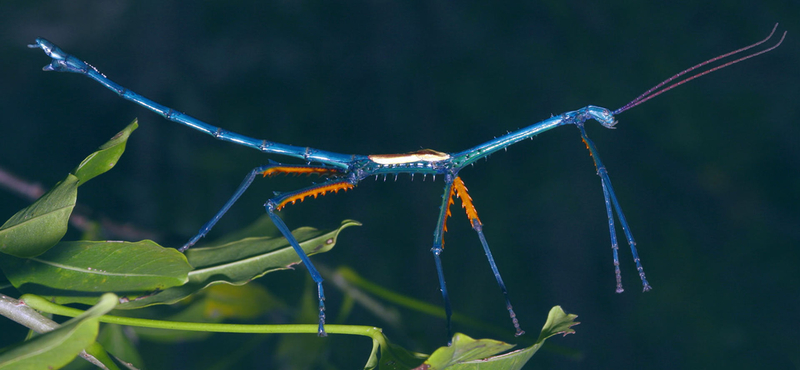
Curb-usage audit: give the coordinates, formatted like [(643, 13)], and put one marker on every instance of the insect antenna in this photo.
[(660, 89)]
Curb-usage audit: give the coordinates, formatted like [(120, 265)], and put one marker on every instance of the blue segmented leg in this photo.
[(614, 245), (454, 186), (611, 197), (438, 247), (275, 204), (270, 206), (466, 202), (270, 169)]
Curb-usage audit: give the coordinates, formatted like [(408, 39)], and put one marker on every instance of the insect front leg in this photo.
[(611, 199)]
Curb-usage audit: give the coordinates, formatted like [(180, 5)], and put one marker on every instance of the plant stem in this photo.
[(44, 305)]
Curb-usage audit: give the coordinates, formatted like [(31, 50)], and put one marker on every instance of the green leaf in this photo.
[(265, 247), (388, 355), (241, 261), (471, 354), (38, 227), (57, 348), (106, 157), (237, 263), (465, 349), (98, 354), (558, 322), (97, 267)]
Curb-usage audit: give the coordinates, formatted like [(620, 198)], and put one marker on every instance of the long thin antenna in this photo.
[(653, 92)]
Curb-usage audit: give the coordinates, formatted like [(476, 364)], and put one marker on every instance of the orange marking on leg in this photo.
[(590, 152), (319, 190), (447, 214), (587, 146), (466, 201), (298, 170)]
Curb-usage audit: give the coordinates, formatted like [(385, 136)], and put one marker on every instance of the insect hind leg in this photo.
[(271, 169), (270, 206)]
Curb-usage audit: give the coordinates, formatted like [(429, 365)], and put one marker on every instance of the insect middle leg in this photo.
[(454, 186)]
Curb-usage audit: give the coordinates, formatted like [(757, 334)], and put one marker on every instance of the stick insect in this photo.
[(345, 171)]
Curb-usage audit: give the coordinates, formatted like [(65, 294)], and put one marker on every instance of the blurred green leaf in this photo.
[(96, 354), (97, 267), (238, 302), (57, 348), (194, 312), (215, 304), (303, 351), (118, 340)]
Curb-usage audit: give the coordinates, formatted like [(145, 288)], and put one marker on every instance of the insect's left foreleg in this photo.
[(611, 200)]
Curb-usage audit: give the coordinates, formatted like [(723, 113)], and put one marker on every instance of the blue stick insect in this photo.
[(345, 171)]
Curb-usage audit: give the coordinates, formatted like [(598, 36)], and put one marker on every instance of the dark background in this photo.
[(708, 174)]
